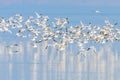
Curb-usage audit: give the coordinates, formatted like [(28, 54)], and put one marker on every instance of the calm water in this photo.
[(40, 64)]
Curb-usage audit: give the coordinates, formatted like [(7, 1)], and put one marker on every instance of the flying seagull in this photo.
[(98, 12)]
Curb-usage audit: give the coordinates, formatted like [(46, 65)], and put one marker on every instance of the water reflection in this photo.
[(39, 64)]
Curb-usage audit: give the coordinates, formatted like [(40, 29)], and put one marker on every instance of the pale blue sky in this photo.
[(52, 6), (62, 2)]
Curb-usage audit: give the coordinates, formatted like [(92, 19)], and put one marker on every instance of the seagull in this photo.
[(82, 24), (38, 15), (98, 12), (20, 17), (21, 30)]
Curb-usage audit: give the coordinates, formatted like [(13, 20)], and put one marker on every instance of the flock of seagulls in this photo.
[(59, 33)]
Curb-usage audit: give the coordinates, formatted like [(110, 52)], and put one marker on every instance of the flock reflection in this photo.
[(23, 62)]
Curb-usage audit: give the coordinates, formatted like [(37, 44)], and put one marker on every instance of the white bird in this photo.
[(22, 30), (20, 17), (38, 15), (98, 12), (82, 24)]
